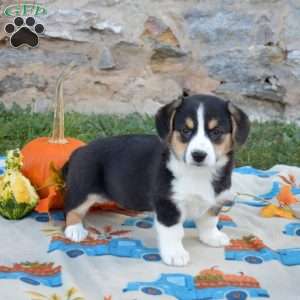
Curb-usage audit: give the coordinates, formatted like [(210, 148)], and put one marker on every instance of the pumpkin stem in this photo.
[(58, 132)]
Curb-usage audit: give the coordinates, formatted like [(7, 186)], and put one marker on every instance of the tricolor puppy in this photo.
[(183, 172)]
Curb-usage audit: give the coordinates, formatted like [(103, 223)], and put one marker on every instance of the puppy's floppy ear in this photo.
[(165, 116), (186, 92), (240, 124)]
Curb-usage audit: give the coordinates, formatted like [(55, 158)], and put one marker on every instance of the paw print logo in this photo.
[(24, 33)]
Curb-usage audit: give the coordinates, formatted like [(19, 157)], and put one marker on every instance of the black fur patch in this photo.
[(241, 123), (167, 212), (223, 181), (164, 118), (130, 170)]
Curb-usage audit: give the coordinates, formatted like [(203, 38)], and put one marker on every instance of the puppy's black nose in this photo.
[(199, 156)]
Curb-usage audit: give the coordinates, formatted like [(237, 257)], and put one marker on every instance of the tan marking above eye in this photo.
[(213, 123), (189, 123)]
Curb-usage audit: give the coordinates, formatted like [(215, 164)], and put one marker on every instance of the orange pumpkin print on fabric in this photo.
[(285, 198)]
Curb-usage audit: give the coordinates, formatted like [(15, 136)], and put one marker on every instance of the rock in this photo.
[(166, 58), (290, 28), (264, 34), (13, 83), (266, 91), (156, 31), (10, 83), (268, 55), (130, 55), (107, 26), (20, 57), (165, 51), (69, 24), (220, 27), (232, 66), (198, 82), (293, 60), (250, 73), (106, 61), (167, 55)]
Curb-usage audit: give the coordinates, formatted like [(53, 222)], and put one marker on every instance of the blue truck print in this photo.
[(45, 217), (292, 229), (254, 251), (186, 287), (247, 170), (33, 273), (122, 247)]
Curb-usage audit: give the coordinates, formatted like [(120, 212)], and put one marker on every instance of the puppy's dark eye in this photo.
[(216, 133), (185, 131)]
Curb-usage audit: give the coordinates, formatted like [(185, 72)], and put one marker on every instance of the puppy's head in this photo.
[(202, 129)]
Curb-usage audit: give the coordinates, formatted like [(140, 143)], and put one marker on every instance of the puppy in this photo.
[(183, 172)]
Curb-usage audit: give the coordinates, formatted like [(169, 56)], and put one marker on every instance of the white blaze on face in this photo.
[(201, 142)]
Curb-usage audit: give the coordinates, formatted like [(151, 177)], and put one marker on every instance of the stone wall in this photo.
[(135, 55)]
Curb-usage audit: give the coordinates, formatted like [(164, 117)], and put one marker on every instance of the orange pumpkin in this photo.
[(212, 271), (39, 154), (286, 197)]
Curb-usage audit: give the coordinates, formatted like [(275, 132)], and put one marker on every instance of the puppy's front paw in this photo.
[(76, 232), (175, 256), (214, 238)]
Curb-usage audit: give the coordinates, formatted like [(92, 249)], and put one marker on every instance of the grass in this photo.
[(269, 143)]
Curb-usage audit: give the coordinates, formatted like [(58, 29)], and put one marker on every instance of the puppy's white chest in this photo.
[(191, 183)]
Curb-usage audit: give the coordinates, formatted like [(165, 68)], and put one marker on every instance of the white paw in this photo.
[(175, 256), (215, 238), (76, 233)]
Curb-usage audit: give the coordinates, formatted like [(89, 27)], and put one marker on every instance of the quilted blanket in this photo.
[(122, 262)]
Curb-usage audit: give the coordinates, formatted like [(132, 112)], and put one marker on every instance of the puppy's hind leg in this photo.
[(75, 230)]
